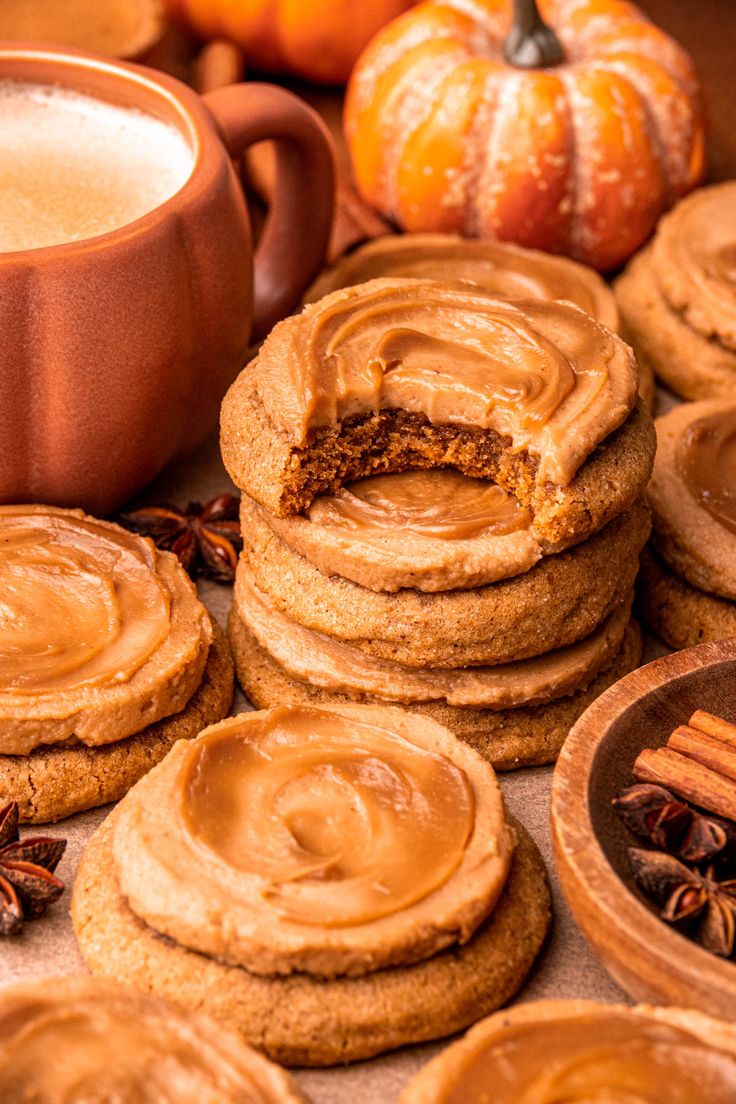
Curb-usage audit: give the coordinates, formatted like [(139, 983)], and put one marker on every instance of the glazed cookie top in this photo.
[(100, 634), (432, 530), (707, 461), (694, 258), (327, 662), (502, 268), (440, 504), (84, 1041), (549, 1051), (693, 494), (332, 840), (543, 374)]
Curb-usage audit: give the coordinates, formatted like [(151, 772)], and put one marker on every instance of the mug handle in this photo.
[(297, 230)]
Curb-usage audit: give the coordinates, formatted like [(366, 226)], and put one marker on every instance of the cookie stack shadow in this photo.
[(398, 551)]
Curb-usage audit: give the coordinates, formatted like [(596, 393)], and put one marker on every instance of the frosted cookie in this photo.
[(680, 614), (414, 854), (692, 494), (688, 584), (53, 782), (103, 643), (558, 1050), (501, 267), (678, 296), (399, 374), (432, 531), (391, 920), (79, 1038), (508, 737), (563, 598), (332, 665)]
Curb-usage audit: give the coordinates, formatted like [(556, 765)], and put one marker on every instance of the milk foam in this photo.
[(73, 167)]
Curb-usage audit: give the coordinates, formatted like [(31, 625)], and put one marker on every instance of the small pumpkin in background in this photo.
[(315, 39), (570, 131)]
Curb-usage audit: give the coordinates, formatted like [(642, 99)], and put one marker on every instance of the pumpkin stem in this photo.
[(531, 44)]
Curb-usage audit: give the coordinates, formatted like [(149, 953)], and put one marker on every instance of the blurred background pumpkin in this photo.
[(318, 40), (120, 28), (569, 133)]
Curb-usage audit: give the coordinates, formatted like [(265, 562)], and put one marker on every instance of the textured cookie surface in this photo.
[(52, 783), (679, 613), (509, 738), (686, 361), (83, 1040), (691, 495), (561, 600), (301, 1021)]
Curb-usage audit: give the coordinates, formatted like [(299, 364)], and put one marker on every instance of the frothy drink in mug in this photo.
[(130, 290), (73, 166)]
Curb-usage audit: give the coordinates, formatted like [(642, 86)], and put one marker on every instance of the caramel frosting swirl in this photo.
[(545, 376), (441, 504), (333, 665), (577, 1052), (430, 530), (500, 267), (399, 816), (104, 610), (100, 635), (707, 459), (694, 258), (333, 840), (84, 1041), (692, 494)]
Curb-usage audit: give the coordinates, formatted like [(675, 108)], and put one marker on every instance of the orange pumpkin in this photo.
[(570, 135), (319, 39)]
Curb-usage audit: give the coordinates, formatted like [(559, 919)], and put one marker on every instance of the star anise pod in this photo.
[(701, 902), (27, 882), (653, 814), (206, 539)]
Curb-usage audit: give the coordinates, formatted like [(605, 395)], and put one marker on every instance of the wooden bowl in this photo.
[(648, 958)]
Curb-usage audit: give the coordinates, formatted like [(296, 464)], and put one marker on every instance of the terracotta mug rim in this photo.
[(185, 109)]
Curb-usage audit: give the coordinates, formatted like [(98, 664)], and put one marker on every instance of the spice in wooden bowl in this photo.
[(684, 804)]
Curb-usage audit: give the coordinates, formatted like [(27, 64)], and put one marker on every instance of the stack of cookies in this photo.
[(442, 509), (688, 582), (677, 297), (408, 912), (107, 659)]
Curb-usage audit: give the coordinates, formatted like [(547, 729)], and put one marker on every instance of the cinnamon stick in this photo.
[(687, 778), (704, 749), (713, 726)]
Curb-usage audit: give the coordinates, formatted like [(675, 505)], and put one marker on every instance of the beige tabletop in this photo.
[(566, 968)]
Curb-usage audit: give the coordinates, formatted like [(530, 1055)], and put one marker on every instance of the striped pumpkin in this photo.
[(578, 155)]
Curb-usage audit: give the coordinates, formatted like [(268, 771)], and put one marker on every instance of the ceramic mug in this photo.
[(116, 350)]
